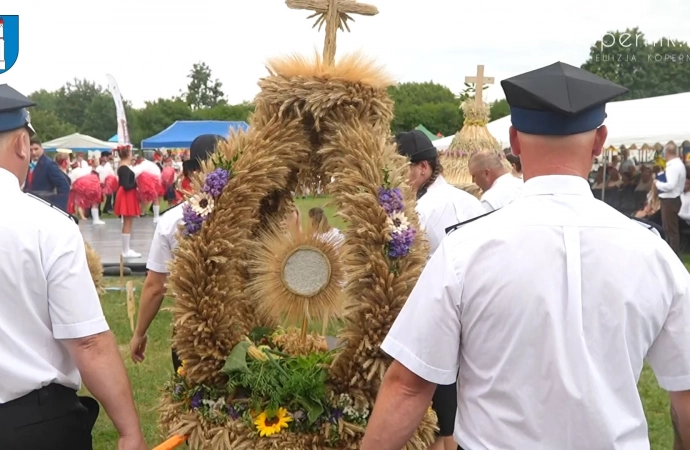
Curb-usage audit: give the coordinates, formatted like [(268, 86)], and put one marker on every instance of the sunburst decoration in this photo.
[(296, 275)]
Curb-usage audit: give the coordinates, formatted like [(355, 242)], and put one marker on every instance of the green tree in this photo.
[(157, 116), (430, 104), (239, 112), (499, 109), (203, 91), (48, 126), (648, 69)]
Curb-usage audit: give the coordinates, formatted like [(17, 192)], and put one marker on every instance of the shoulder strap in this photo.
[(169, 208), (651, 226), (69, 216), (461, 224)]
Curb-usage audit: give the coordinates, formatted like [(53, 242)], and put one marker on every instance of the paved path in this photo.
[(106, 239)]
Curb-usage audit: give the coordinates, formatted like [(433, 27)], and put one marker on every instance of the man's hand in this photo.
[(137, 348), (131, 443)]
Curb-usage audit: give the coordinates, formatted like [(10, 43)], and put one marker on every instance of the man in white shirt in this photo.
[(52, 329), (522, 298), (669, 195), (500, 186), (162, 246)]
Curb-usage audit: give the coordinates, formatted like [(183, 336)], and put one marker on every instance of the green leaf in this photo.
[(237, 361), (259, 333), (314, 409)]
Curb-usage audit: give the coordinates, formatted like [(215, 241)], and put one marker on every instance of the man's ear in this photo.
[(514, 142), (16, 142), (599, 140)]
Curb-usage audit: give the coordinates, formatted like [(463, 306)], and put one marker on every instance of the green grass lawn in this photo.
[(148, 378)]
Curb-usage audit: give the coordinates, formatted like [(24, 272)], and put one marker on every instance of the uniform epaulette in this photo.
[(168, 209), (69, 216), (651, 226), (461, 224)]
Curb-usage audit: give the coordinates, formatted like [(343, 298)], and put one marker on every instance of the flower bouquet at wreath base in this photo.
[(277, 392)]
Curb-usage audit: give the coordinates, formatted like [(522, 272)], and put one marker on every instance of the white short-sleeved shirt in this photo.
[(505, 189), (164, 240), (546, 341), (443, 206), (104, 170), (46, 294)]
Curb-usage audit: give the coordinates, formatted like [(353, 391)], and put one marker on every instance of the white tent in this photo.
[(79, 143), (643, 121)]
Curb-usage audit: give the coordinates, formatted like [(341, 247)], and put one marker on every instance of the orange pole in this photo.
[(172, 443)]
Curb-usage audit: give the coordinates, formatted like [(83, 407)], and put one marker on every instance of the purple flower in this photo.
[(196, 400), (233, 413), (400, 243), (215, 182), (391, 200), (336, 414), (192, 220)]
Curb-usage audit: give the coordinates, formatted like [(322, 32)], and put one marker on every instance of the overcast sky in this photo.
[(149, 46)]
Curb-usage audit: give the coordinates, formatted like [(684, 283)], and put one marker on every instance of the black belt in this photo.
[(47, 403)]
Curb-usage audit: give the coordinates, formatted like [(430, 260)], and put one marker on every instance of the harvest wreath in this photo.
[(240, 273)]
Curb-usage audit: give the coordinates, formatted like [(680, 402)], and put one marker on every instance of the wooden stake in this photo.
[(325, 323), (131, 305), (305, 330), (122, 272), (479, 80)]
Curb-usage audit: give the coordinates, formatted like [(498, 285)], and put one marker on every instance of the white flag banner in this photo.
[(122, 132)]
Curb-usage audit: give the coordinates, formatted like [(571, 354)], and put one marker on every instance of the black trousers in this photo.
[(51, 418), (445, 403)]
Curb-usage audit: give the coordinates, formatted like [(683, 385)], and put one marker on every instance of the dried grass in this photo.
[(474, 137), (95, 268), (267, 288), (334, 121)]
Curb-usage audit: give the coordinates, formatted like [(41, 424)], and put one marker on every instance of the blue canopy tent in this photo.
[(181, 133)]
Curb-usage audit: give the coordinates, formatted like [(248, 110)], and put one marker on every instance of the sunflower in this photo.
[(202, 204), (269, 426)]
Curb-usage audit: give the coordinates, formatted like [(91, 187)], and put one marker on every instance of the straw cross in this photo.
[(479, 80), (335, 14)]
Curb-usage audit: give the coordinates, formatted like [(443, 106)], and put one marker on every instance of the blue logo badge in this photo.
[(9, 42)]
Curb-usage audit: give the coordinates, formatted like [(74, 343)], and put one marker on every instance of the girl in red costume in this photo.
[(86, 192), (126, 201), (149, 186)]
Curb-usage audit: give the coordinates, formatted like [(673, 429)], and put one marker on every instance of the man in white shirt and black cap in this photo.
[(548, 341), (439, 204), (52, 329), (670, 190), (161, 254), (499, 185)]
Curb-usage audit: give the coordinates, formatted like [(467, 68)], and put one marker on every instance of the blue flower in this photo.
[(215, 182), (192, 220), (400, 243), (196, 400), (391, 200)]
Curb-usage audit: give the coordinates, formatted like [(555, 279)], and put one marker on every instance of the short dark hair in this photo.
[(512, 159), (35, 141)]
